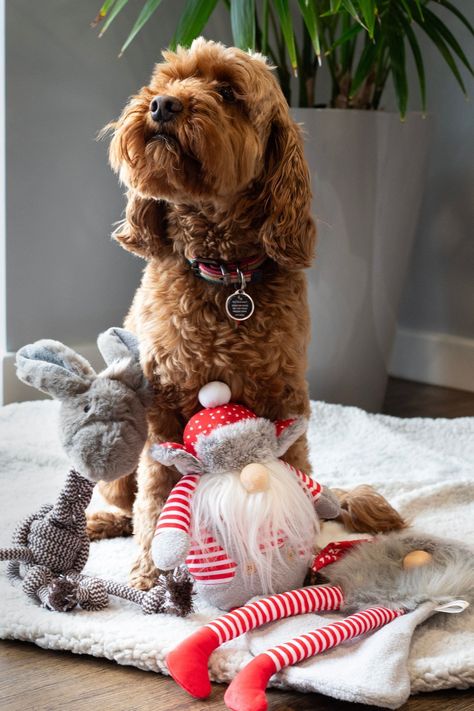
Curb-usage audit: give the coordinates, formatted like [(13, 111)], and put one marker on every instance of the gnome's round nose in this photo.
[(255, 478)]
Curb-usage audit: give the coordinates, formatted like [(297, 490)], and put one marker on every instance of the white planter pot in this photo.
[(367, 173)]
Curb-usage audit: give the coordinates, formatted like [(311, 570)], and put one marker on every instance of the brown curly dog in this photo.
[(214, 168)]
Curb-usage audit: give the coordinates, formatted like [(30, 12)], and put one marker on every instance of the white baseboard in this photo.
[(434, 358), (13, 390)]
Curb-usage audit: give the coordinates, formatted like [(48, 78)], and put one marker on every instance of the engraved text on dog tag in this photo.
[(239, 305)]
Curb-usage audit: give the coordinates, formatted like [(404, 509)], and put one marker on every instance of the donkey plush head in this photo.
[(102, 415)]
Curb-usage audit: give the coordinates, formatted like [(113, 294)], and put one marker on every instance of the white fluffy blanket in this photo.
[(424, 467)]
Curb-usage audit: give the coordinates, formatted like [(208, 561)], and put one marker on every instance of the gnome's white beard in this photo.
[(247, 525)]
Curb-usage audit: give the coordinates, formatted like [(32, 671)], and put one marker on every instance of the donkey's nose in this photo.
[(165, 108), (255, 478)]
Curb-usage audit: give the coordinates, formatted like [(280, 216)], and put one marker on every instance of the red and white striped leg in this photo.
[(275, 607), (187, 663), (247, 691)]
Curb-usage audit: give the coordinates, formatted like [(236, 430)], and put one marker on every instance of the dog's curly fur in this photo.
[(226, 179)]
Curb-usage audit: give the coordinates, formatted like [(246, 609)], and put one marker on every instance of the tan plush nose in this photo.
[(255, 477), (416, 559)]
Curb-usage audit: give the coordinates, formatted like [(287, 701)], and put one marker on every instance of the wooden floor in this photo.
[(42, 680)]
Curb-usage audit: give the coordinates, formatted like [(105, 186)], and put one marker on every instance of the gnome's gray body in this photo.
[(245, 586)]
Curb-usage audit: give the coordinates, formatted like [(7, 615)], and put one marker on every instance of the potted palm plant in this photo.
[(367, 164)]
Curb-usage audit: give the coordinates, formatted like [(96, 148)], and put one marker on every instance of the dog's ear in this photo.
[(144, 229), (288, 233)]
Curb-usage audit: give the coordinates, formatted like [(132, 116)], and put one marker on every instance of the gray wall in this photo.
[(439, 294), (65, 278)]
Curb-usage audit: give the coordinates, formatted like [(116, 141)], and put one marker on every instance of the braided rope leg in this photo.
[(18, 553), (91, 594), (35, 579), (172, 594), (22, 531), (124, 591), (151, 601), (247, 690), (92, 590), (15, 556)]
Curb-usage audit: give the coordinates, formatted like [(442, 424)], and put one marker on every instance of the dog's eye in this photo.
[(87, 408), (227, 93)]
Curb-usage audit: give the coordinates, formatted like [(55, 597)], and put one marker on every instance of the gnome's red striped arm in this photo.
[(172, 539), (310, 485), (176, 513)]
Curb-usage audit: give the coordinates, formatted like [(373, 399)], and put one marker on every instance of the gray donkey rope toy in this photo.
[(103, 430)]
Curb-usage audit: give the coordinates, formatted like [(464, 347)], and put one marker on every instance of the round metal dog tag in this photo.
[(239, 306)]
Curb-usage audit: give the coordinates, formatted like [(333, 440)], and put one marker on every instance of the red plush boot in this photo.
[(187, 663), (247, 691)]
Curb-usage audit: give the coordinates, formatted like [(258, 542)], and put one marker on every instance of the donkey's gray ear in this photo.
[(176, 456), (118, 343), (119, 349), (53, 368), (288, 431)]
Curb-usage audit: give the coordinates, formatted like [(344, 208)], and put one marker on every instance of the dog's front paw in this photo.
[(144, 574), (108, 524)]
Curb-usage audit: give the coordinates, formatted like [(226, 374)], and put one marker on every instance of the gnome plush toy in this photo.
[(242, 520)]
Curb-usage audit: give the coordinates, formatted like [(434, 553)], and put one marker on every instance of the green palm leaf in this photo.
[(334, 6), (407, 9), (396, 48), (346, 36), (311, 21), (102, 12), (114, 11), (351, 9), (284, 15), (448, 36), (192, 21), (449, 6), (364, 67), (368, 11), (242, 20), (147, 11), (417, 56), (444, 51)]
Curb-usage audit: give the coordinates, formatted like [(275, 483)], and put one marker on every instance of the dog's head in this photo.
[(213, 127)]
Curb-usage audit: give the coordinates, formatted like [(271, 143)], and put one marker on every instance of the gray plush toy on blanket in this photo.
[(103, 429)]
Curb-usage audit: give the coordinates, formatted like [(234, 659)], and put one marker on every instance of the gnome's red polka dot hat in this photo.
[(217, 412)]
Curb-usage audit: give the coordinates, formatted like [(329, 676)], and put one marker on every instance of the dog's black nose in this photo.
[(165, 108)]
